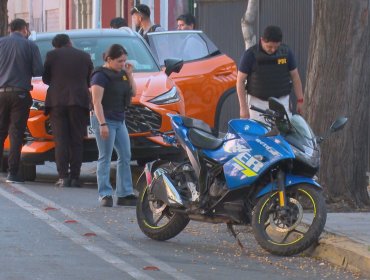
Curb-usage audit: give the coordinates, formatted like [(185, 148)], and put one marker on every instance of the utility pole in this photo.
[(96, 14)]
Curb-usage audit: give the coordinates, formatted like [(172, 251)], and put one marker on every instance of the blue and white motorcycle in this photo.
[(256, 174)]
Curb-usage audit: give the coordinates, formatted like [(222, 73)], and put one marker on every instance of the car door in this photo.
[(207, 75)]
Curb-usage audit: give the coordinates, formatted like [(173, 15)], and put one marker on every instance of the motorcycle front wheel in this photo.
[(156, 220), (291, 230)]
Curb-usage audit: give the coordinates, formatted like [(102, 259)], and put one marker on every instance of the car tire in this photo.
[(28, 172), (227, 109), (4, 164)]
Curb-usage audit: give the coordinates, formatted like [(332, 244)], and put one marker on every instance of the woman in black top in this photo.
[(112, 87)]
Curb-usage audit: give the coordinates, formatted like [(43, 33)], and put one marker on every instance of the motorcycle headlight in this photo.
[(170, 96), (310, 156), (37, 105)]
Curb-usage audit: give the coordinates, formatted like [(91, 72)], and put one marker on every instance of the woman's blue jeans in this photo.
[(120, 141)]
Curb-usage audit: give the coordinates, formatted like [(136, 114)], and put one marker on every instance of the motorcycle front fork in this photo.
[(281, 188)]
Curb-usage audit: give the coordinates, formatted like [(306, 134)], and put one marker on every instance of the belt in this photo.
[(11, 89)]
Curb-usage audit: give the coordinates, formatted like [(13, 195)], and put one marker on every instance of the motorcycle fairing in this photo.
[(245, 167), (290, 180)]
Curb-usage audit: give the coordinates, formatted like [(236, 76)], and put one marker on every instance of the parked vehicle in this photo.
[(207, 79), (256, 174), (157, 93)]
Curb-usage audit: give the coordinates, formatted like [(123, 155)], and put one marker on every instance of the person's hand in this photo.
[(300, 107), (129, 67), (104, 132), (244, 113)]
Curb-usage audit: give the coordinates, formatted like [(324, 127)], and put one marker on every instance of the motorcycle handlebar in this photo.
[(267, 112), (254, 108)]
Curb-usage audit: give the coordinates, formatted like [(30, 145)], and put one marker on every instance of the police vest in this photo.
[(118, 92), (151, 29), (270, 74)]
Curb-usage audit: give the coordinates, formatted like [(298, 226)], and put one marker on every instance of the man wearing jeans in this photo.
[(20, 60)]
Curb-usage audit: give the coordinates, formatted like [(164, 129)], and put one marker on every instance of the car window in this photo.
[(138, 53), (184, 45)]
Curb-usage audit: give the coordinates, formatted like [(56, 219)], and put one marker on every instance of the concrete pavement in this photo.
[(346, 242)]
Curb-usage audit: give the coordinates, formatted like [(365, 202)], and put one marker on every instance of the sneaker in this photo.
[(76, 183), (129, 200), (14, 179), (106, 201), (63, 182)]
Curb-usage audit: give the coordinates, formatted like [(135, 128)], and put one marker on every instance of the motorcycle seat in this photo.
[(204, 140), (195, 123)]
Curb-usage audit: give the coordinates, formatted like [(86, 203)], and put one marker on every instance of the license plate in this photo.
[(90, 132)]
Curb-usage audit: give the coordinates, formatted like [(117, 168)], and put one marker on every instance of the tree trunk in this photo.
[(338, 84), (3, 17), (247, 22)]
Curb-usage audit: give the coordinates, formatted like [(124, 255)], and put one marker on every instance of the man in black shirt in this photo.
[(20, 60), (270, 70), (141, 18)]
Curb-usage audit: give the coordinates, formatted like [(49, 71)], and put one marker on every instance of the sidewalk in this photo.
[(346, 241)]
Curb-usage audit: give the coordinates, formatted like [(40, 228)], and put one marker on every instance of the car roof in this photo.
[(175, 31), (81, 33)]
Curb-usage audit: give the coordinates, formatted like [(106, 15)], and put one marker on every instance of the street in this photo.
[(47, 232)]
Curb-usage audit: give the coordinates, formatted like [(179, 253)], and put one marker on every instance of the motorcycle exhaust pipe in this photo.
[(163, 189)]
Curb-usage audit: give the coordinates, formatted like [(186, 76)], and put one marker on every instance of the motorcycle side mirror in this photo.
[(173, 65), (338, 124)]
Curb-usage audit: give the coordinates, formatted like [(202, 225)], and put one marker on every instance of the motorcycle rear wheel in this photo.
[(156, 220), (289, 232)]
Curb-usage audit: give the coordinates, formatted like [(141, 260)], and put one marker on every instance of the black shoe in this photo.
[(129, 200), (106, 201), (76, 183), (63, 182), (14, 179)]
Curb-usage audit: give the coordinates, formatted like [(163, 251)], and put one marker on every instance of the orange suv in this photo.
[(201, 88)]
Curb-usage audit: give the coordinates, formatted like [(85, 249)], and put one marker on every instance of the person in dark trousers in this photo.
[(185, 22), (270, 70), (118, 22), (141, 17), (112, 87), (67, 72), (20, 60)]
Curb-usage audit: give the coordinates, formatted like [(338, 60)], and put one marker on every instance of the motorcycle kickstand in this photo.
[(236, 235)]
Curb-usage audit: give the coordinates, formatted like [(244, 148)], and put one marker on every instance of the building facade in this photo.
[(59, 15)]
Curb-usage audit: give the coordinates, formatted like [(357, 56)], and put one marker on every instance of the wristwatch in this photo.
[(104, 124)]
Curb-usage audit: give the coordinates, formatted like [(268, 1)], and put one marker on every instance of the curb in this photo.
[(343, 252)]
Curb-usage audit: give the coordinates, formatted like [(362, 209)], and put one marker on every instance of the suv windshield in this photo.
[(185, 45), (138, 53)]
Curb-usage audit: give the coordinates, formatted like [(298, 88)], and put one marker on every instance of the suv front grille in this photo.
[(142, 119)]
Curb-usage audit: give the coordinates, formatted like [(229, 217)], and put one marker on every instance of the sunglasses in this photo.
[(136, 10)]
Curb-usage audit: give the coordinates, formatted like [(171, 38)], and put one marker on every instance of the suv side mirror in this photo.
[(173, 65)]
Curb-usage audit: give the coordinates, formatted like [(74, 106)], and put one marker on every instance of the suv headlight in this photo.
[(170, 96), (37, 105)]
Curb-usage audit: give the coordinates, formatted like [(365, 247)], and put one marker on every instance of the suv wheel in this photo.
[(28, 172)]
